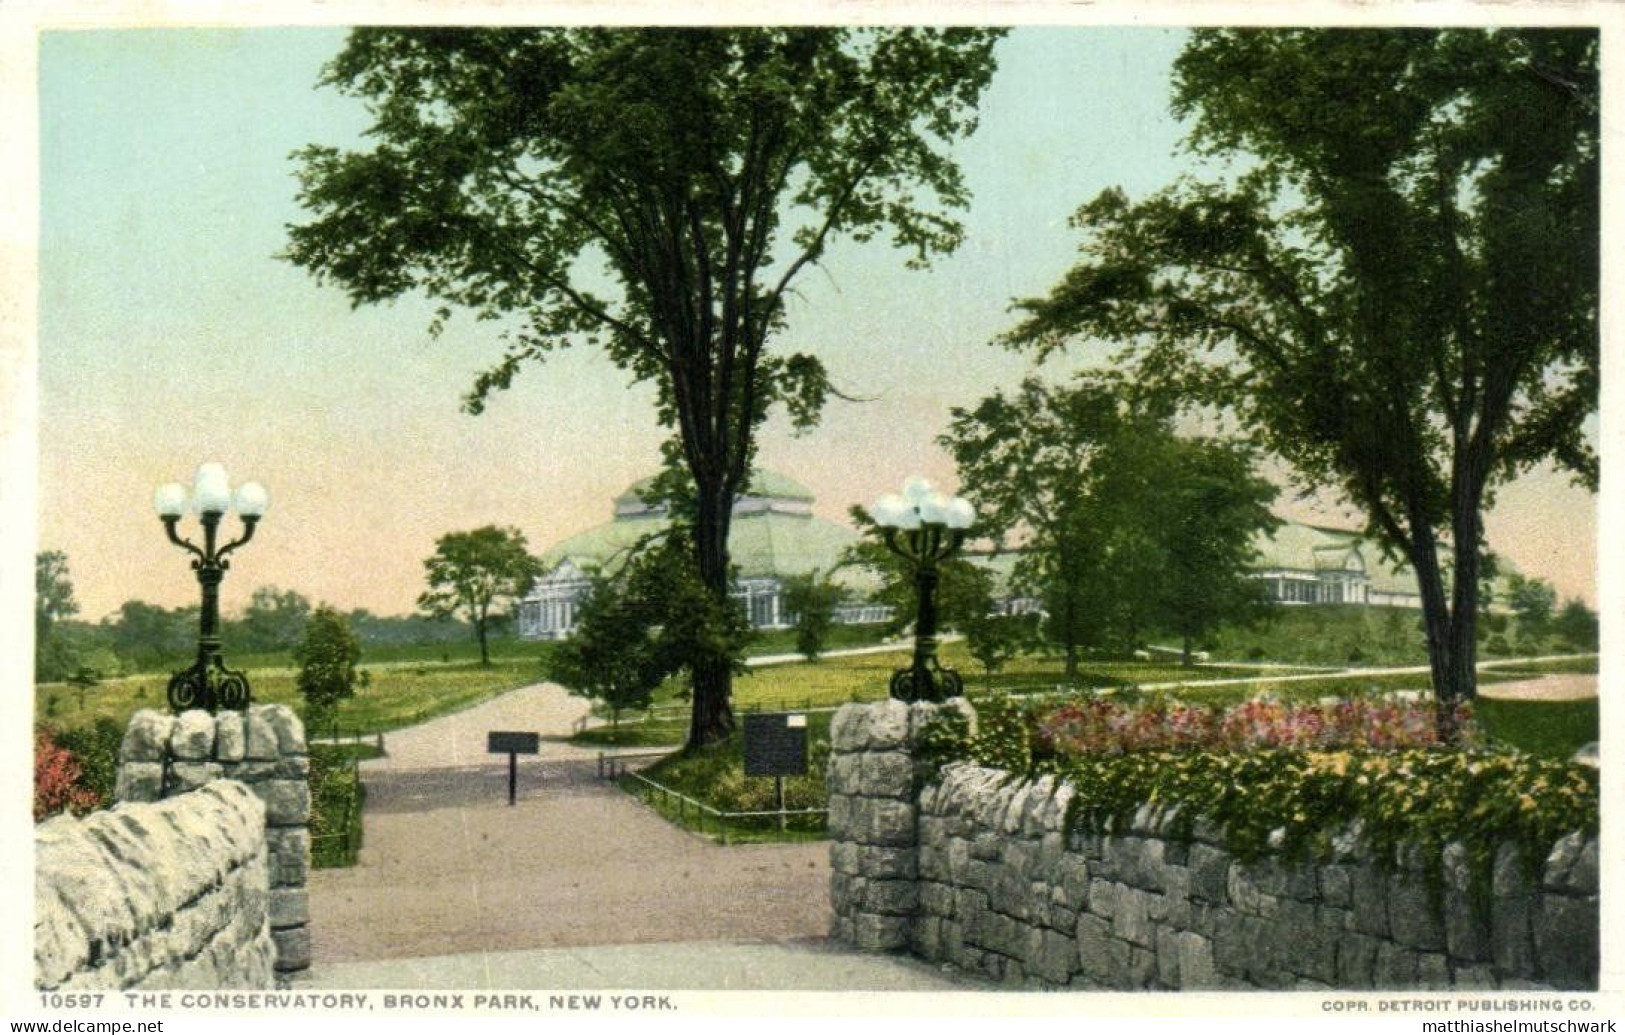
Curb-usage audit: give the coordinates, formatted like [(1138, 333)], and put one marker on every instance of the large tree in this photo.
[(1393, 280), (471, 574), (652, 191), (273, 620)]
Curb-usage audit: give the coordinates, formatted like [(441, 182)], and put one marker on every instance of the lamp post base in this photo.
[(210, 685), (926, 682)]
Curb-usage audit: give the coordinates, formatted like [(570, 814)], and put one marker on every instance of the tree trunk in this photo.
[(712, 717), (1185, 651), (479, 634), (1438, 624)]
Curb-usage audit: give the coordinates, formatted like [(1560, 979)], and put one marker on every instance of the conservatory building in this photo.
[(772, 536)]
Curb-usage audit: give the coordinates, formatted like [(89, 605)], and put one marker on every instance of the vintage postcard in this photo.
[(574, 511)]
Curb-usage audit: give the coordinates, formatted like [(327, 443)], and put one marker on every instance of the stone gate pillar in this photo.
[(874, 780), (264, 747)]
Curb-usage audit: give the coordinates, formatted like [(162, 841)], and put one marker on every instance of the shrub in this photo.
[(56, 780), (327, 659), (95, 747)]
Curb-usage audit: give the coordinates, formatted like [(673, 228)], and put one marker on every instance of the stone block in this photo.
[(139, 781), (1433, 971), (1336, 889), (1131, 920), (229, 742), (891, 897), (887, 774), (292, 949), (1395, 967), (259, 735), (839, 819), (289, 856), (189, 776), (1566, 941), (937, 899), (1512, 944), (1209, 873), (843, 857), (1052, 956), (288, 907), (146, 738), (1102, 897), (886, 728), (873, 933), (846, 774), (1102, 958), (192, 737), (1414, 919), (287, 802), (1475, 977), (1369, 900)]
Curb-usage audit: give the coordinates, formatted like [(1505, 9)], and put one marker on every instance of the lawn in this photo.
[(399, 693)]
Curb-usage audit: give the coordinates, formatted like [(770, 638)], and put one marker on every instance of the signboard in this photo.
[(776, 744), (513, 743)]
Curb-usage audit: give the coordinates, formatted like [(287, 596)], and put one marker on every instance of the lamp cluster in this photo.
[(925, 527), (921, 504), (208, 683)]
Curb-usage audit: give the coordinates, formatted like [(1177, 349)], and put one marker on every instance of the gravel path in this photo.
[(1544, 688), (448, 866)]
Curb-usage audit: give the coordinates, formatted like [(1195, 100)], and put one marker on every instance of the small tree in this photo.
[(327, 659), (472, 573), (1577, 624), (1534, 601), (996, 639), (53, 601), (813, 601)]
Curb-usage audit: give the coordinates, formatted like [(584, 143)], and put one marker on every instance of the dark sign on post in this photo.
[(513, 745), (776, 744)]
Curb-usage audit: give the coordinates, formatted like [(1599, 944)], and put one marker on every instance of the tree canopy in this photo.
[(653, 191), (471, 574), (53, 602), (1121, 527), (1394, 286), (326, 655)]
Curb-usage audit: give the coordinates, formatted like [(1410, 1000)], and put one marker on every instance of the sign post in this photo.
[(776, 746), (513, 745)]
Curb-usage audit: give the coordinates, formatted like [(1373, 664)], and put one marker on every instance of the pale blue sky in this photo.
[(169, 334)]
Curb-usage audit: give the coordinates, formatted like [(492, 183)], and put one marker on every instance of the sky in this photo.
[(170, 333)]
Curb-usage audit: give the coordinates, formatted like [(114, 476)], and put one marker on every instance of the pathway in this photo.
[(447, 866)]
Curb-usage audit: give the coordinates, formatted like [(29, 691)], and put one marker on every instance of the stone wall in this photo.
[(990, 879), (264, 748), (166, 895)]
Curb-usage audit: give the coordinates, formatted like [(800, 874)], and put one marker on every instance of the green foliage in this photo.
[(274, 620), (1576, 625), (148, 637), (336, 797), (53, 602), (812, 600), (1395, 287), (1124, 527), (1004, 735), (651, 191), (471, 573), (1430, 798), (327, 659), (994, 639), (95, 748)]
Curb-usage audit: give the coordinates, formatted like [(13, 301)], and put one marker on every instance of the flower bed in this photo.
[(1099, 726)]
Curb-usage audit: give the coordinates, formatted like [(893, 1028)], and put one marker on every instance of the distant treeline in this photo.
[(142, 637)]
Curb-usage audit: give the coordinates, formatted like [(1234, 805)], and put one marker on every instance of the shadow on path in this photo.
[(448, 867)]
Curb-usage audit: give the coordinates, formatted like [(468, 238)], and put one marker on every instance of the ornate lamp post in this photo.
[(926, 527), (208, 683)]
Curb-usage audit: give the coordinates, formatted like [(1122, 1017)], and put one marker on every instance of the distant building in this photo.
[(773, 535), (1312, 564)]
